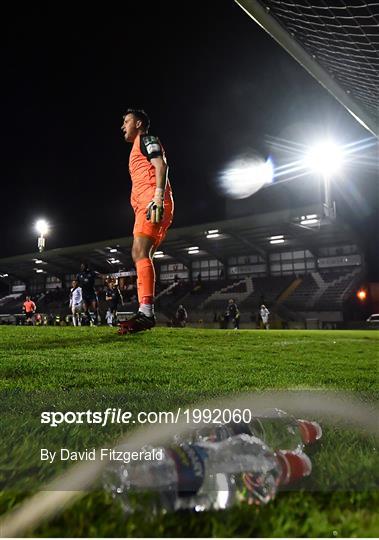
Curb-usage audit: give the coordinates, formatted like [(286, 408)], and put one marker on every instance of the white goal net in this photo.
[(336, 41)]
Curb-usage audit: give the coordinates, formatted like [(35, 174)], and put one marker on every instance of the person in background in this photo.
[(86, 281), (181, 316), (76, 303), (29, 308), (264, 313), (233, 313), (114, 297)]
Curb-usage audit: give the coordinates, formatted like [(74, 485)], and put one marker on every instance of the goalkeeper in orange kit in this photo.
[(153, 206)]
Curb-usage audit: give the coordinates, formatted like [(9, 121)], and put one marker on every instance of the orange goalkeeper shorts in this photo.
[(156, 231)]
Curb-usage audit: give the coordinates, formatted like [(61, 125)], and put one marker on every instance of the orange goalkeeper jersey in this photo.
[(142, 171), (29, 306)]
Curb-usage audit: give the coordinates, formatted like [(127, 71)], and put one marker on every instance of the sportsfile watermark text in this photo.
[(118, 416)]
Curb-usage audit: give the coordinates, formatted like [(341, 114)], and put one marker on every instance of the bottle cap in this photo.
[(310, 431), (294, 466)]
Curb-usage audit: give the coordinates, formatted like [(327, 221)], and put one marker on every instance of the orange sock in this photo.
[(139, 289), (145, 281)]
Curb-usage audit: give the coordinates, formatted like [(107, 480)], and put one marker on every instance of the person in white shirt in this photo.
[(76, 303), (264, 313)]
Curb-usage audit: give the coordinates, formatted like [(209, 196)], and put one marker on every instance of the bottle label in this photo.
[(189, 462)]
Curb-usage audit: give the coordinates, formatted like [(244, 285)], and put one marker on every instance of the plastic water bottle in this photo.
[(275, 427), (280, 430), (207, 475)]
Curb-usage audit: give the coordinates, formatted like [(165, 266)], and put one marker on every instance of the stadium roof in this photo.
[(247, 235)]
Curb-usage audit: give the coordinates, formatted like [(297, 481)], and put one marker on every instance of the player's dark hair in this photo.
[(140, 115)]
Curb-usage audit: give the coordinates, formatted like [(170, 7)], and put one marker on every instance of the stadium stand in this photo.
[(266, 291), (238, 290), (303, 295), (309, 271), (8, 299), (323, 291), (338, 289), (195, 297)]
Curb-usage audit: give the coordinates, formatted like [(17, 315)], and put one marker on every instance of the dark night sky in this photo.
[(213, 83)]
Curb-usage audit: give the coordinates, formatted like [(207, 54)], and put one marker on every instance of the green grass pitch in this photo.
[(93, 368)]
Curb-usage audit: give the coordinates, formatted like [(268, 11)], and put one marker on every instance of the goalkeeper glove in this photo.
[(154, 210)]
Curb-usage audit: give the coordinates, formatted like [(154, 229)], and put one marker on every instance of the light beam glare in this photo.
[(248, 174), (245, 176), (349, 152)]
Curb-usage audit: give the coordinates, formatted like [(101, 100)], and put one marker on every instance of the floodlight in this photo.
[(42, 227), (311, 221), (325, 158), (278, 239)]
